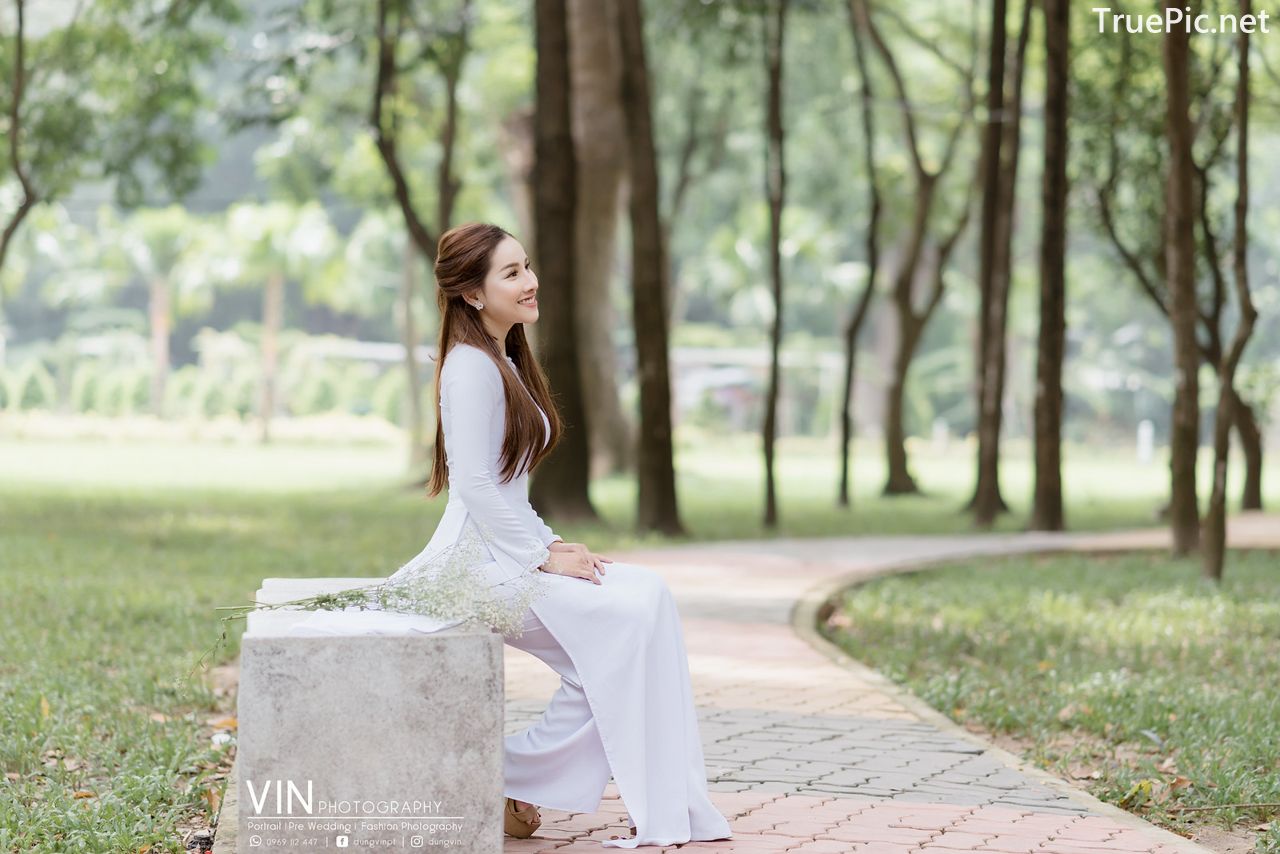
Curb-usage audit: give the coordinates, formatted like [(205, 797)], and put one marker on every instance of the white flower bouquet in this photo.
[(449, 584)]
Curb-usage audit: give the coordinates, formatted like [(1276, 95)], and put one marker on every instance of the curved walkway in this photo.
[(809, 751)]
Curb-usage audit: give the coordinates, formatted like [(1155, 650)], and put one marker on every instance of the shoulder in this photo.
[(468, 363)]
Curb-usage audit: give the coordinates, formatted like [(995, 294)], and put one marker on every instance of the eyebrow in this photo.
[(515, 263)]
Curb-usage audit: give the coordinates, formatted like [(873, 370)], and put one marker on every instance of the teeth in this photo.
[(527, 301)]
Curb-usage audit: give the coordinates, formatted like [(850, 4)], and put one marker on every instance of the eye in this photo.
[(512, 274)]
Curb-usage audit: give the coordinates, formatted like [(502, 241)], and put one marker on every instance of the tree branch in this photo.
[(29, 195), (384, 134)]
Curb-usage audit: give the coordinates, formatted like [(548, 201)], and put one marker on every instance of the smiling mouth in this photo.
[(532, 301)]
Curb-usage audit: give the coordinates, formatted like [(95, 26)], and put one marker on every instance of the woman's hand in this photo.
[(575, 560)]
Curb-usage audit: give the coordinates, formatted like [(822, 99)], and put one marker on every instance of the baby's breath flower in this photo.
[(447, 584)]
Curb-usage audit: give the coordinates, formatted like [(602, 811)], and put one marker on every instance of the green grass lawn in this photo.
[(113, 557), (1126, 673)]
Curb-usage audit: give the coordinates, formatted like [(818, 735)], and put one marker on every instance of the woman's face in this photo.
[(510, 280)]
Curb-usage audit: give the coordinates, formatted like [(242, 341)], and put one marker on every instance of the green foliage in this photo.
[(86, 378), (317, 393), (123, 391), (181, 389), (210, 398), (27, 386), (390, 397), (113, 94)]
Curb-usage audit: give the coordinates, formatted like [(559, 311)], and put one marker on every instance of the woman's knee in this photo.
[(646, 587)]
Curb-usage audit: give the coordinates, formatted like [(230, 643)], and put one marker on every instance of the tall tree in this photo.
[(997, 259), (1215, 523), (562, 487), (1179, 243), (875, 208), (775, 190), (657, 508), (924, 231), (600, 140), (986, 499), (1046, 505), (1127, 165)]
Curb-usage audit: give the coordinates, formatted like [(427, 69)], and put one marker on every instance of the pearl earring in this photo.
[(478, 304)]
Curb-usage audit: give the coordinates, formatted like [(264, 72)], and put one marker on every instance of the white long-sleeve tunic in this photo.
[(623, 635)]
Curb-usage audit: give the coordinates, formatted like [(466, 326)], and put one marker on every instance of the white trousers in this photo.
[(559, 761)]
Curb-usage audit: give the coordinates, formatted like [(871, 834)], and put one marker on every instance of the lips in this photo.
[(533, 302)]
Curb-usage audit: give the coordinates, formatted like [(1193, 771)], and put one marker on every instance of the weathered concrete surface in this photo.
[(371, 738)]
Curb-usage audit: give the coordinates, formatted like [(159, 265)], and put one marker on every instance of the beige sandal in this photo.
[(520, 823), (632, 825)]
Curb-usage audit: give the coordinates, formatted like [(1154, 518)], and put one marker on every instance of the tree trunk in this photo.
[(986, 497), (1046, 508), (987, 500), (272, 320), (872, 249), (900, 481), (561, 487), (925, 182), (409, 340), (657, 508), (600, 142), (29, 195), (1251, 444), (775, 189), (159, 312), (1179, 244), (1215, 523)]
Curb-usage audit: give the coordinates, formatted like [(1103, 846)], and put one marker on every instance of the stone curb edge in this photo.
[(804, 621), (224, 833)]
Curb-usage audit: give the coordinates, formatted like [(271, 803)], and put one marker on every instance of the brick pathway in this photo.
[(809, 751)]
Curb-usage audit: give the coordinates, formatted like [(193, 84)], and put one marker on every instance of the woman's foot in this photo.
[(520, 819)]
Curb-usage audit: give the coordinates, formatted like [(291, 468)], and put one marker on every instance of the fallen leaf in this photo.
[(1138, 793), (158, 717), (44, 707), (228, 722), (213, 799), (81, 793)]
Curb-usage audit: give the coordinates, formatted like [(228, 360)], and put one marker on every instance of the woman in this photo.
[(624, 706)]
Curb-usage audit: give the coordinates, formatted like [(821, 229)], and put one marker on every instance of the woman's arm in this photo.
[(548, 536), (470, 400)]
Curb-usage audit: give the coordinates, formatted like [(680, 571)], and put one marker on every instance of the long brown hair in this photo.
[(463, 257)]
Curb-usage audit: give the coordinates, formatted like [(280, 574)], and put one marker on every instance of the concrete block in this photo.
[(392, 742)]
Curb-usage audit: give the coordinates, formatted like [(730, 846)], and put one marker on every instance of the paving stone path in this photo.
[(809, 751)]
